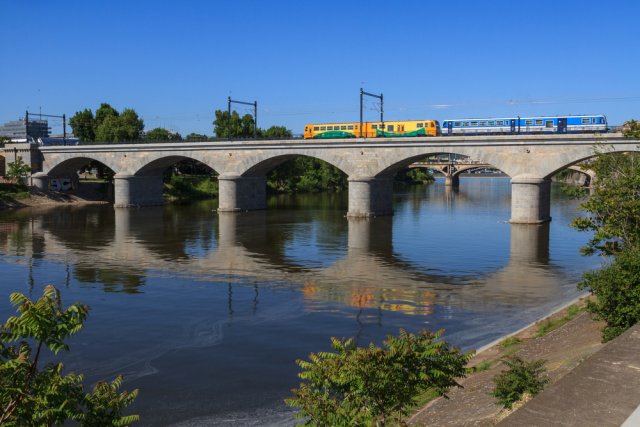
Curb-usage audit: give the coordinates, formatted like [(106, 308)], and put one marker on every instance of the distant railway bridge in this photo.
[(370, 164)]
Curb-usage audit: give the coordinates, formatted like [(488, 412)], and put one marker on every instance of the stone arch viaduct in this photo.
[(370, 164)]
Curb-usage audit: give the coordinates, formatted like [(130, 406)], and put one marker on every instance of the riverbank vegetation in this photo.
[(35, 395), (613, 215), (365, 386)]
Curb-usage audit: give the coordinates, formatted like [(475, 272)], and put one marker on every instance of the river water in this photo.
[(206, 314)]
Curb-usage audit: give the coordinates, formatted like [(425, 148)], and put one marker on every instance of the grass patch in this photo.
[(552, 324), (13, 192), (510, 342), (483, 366)]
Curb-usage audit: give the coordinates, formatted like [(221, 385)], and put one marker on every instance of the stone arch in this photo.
[(261, 165), (70, 166), (394, 164), (157, 164)]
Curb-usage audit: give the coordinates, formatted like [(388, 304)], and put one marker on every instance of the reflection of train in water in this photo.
[(490, 126)]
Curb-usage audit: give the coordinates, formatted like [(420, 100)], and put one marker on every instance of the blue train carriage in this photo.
[(516, 125)]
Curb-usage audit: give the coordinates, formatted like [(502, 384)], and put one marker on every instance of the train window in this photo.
[(499, 123), (350, 127), (343, 128), (549, 123), (482, 123), (585, 121), (431, 125), (316, 128), (491, 123), (389, 128), (601, 120), (374, 126), (528, 122), (465, 124), (323, 128), (419, 125), (456, 123), (474, 123), (538, 122)]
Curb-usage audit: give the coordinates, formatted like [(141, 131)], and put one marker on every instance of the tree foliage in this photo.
[(108, 125), (196, 137), (614, 205), (83, 125), (617, 288), (614, 217), (242, 127), (18, 169), (234, 126), (162, 134), (306, 174), (362, 386), (521, 377), (31, 395)]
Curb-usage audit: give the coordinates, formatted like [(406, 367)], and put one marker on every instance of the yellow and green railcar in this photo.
[(372, 129)]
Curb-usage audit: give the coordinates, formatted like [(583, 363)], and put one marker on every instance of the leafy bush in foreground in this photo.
[(521, 377), (361, 386), (37, 396)]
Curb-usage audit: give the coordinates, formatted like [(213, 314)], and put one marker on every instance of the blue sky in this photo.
[(176, 62)]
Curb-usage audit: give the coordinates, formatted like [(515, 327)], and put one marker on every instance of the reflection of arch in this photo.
[(368, 274)]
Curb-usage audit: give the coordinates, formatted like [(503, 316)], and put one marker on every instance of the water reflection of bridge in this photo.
[(120, 248)]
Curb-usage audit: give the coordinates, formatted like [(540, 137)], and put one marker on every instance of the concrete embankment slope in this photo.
[(604, 390)]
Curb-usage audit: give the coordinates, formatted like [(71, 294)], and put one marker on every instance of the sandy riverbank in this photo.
[(563, 349), (52, 198)]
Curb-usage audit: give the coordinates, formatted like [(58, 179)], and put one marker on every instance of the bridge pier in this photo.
[(530, 200), (452, 180), (370, 197), (40, 181), (239, 193), (136, 191)]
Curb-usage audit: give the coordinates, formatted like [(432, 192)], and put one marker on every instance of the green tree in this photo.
[(275, 132), (631, 129), (83, 125), (613, 210), (614, 204), (362, 386), (162, 134), (31, 395), (234, 127), (18, 169), (103, 112), (196, 137), (306, 174), (112, 126)]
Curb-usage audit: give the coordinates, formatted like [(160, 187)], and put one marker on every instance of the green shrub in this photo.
[(617, 290), (521, 377), (33, 395), (362, 386)]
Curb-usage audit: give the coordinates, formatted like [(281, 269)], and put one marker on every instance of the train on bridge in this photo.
[(486, 126)]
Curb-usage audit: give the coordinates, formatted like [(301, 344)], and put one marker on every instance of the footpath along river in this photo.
[(206, 313)]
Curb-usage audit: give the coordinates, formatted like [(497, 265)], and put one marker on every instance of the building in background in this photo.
[(18, 130)]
